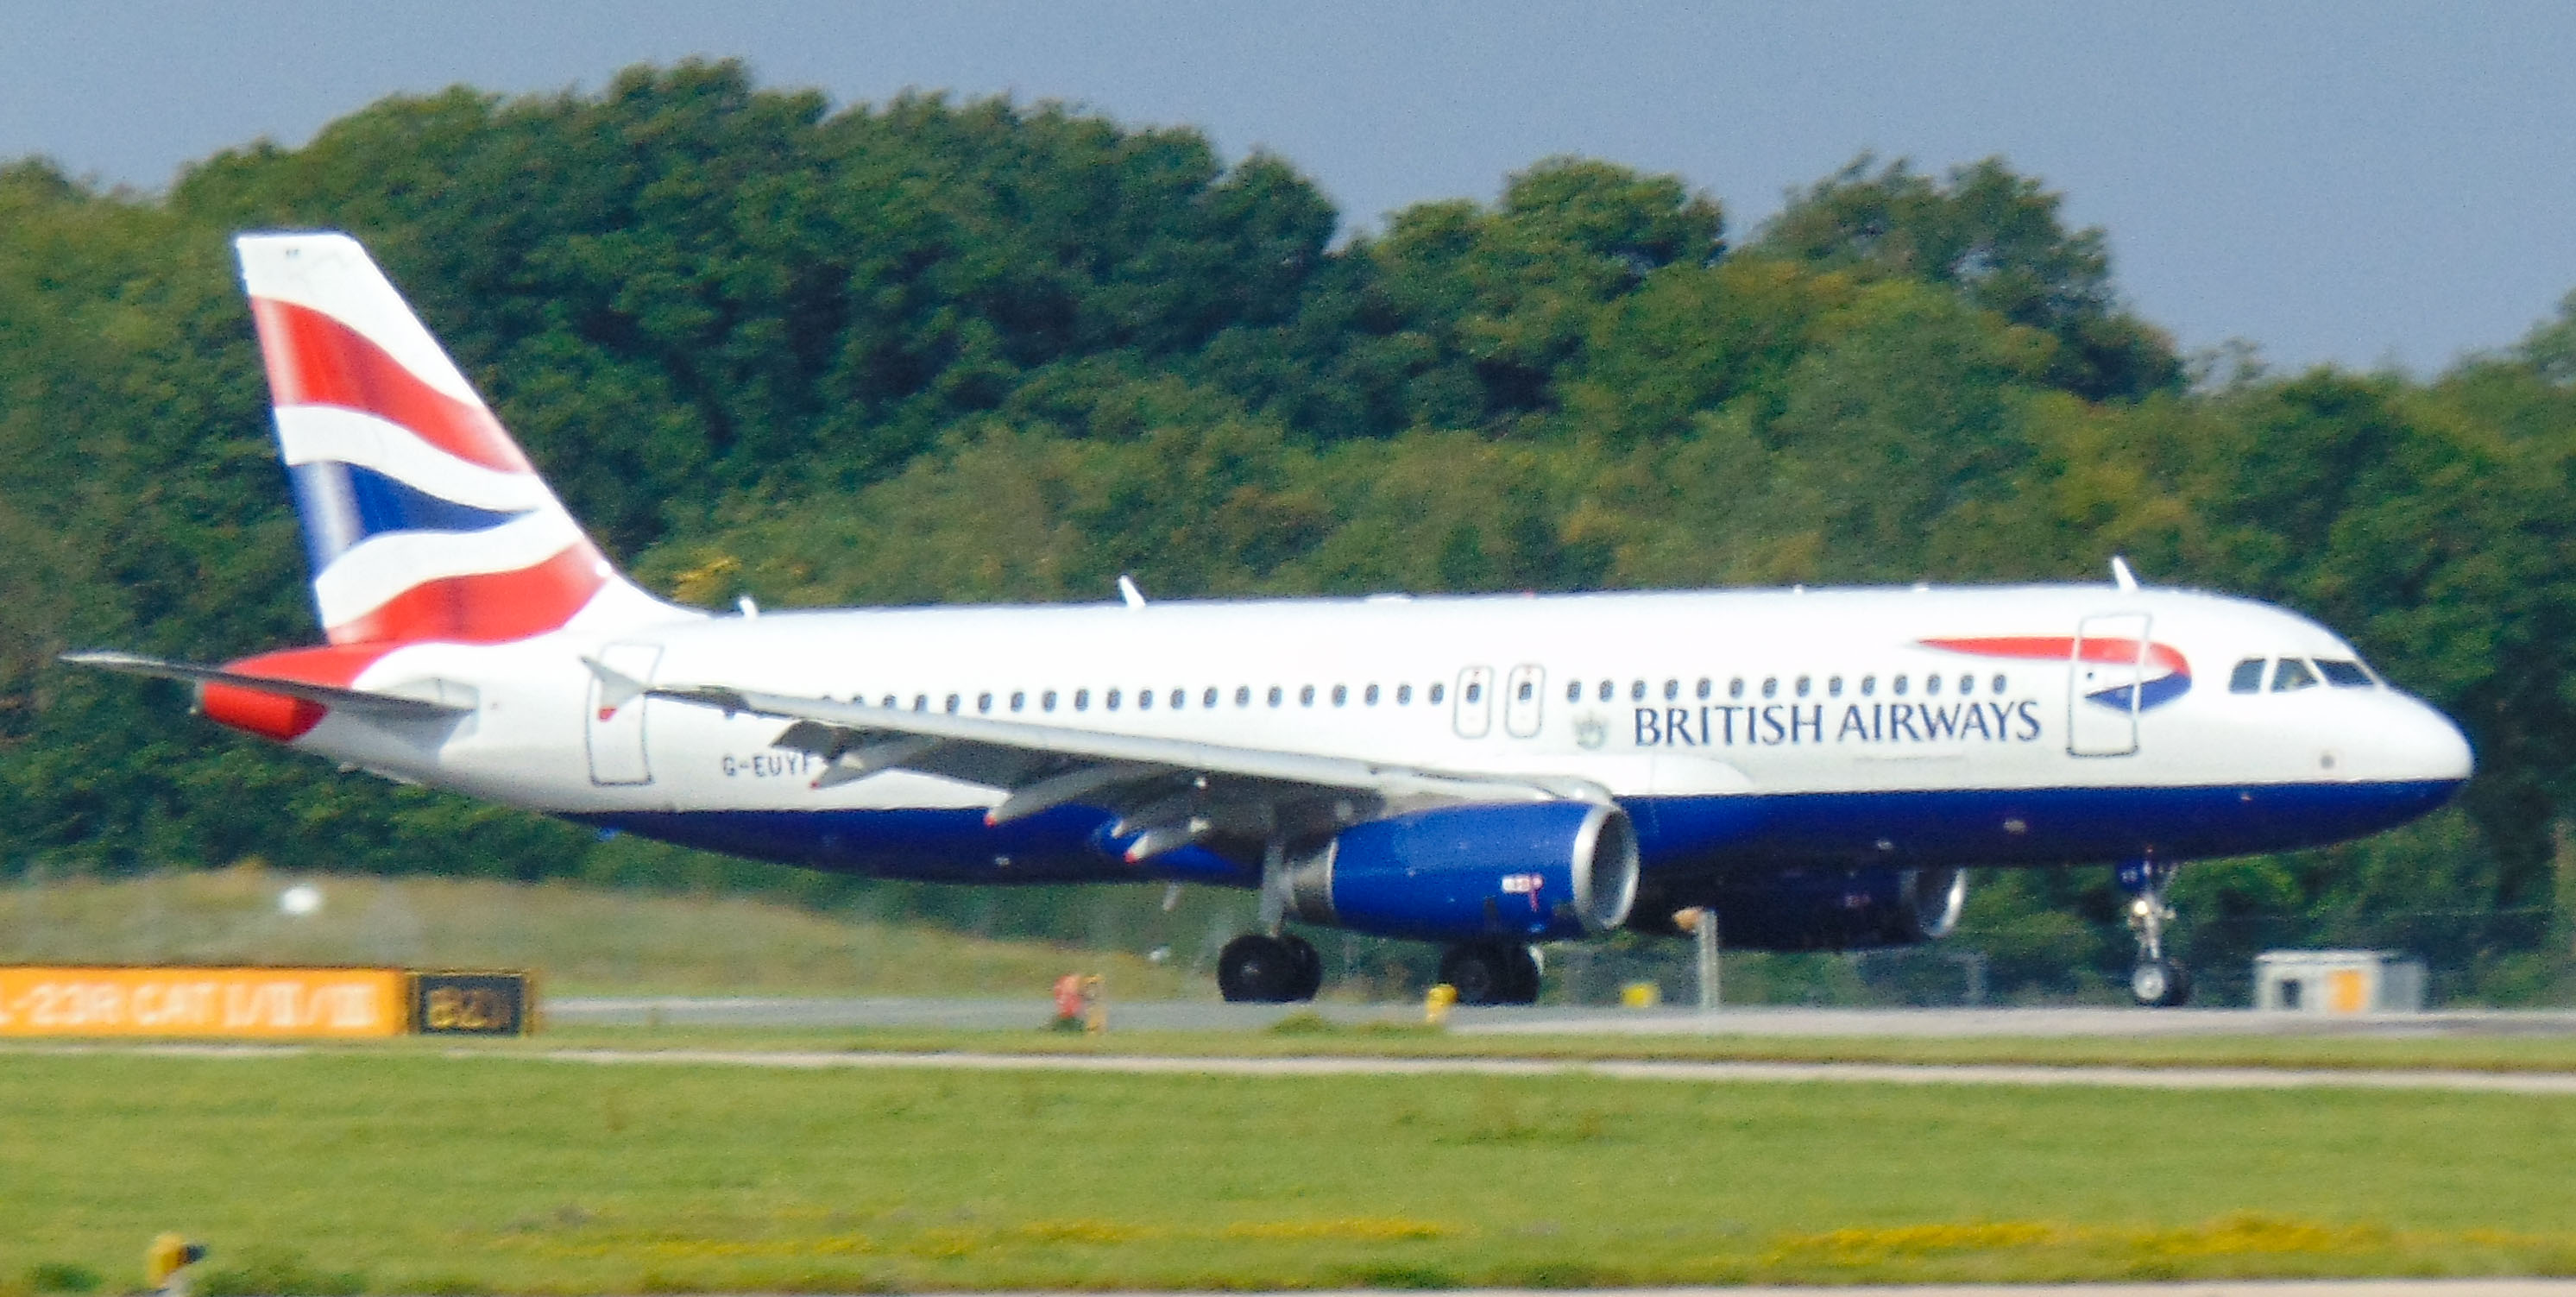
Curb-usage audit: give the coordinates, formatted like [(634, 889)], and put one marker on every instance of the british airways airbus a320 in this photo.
[(1814, 767)]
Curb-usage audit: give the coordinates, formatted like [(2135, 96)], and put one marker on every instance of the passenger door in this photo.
[(2104, 669), (617, 737)]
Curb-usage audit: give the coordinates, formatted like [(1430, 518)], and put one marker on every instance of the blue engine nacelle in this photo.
[(1838, 909), (1537, 871)]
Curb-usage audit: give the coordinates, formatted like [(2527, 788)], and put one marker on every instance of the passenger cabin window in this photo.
[(1437, 693), (1306, 696), (1804, 684), (1475, 692), (1735, 687), (1404, 695), (983, 702), (889, 701), (1528, 691), (1019, 699), (1932, 686), (1703, 688), (1243, 695), (1636, 692), (1110, 700), (2246, 678), (952, 703), (1607, 691), (1868, 686), (1770, 686), (1046, 701), (1341, 694), (2343, 673), (1208, 699), (1369, 696), (1082, 700), (1899, 686), (1275, 695), (921, 702), (1672, 690), (1144, 700), (1999, 684), (1574, 691), (2293, 673)]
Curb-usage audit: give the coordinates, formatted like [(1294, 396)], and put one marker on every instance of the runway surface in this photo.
[(1191, 1015), (2142, 1078)]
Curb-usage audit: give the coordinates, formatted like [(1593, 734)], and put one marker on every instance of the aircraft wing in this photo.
[(1168, 793), (390, 706)]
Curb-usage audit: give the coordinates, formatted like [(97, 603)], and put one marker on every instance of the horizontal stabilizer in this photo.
[(360, 701)]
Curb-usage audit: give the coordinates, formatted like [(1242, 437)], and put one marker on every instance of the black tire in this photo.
[(2160, 984), (1257, 968), (1491, 972), (1310, 967)]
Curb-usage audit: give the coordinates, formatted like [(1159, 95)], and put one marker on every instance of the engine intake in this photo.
[(1538, 871)]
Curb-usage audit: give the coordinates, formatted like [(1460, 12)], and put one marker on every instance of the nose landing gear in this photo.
[(2156, 982)]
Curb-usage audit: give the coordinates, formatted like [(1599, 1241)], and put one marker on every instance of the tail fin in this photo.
[(422, 518)]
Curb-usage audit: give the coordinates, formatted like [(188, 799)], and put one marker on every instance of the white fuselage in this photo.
[(1681, 697)]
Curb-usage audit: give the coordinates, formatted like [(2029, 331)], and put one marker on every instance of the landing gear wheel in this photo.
[(1310, 967), (1257, 968), (2156, 982), (2160, 984), (1491, 972)]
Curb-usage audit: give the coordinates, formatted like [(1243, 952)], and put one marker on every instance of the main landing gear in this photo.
[(1492, 972), (1258, 968), (2157, 982)]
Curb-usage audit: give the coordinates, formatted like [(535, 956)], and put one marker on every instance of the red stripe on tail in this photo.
[(314, 359), (487, 608)]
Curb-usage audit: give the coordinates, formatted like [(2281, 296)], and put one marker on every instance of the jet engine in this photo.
[(1539, 871), (1838, 909)]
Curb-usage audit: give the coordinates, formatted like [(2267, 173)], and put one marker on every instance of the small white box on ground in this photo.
[(2338, 981)]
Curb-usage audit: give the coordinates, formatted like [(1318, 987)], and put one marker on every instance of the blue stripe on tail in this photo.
[(343, 504)]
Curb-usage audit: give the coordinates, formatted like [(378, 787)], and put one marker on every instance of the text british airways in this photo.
[(1782, 724)]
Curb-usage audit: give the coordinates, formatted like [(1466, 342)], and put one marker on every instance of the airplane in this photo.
[(1804, 768)]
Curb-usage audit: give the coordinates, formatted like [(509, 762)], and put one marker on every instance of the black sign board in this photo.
[(470, 1004)]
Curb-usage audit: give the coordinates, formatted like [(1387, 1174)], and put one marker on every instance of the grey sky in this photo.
[(2356, 182)]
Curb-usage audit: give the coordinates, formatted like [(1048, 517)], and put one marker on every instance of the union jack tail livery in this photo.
[(423, 520)]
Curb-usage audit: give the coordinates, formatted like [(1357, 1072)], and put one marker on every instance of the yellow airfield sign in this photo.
[(254, 1003)]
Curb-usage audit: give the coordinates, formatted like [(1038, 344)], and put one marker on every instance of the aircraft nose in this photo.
[(2432, 747)]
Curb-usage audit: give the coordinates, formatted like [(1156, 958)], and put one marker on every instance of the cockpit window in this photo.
[(2247, 678), (2343, 673), (2293, 674)]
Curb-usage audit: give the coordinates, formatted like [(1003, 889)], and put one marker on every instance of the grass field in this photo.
[(408, 1171), (579, 938)]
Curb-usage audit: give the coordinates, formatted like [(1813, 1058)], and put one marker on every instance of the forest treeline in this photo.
[(932, 350)]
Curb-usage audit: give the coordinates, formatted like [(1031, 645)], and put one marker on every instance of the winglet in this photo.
[(2122, 577), (1127, 591)]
